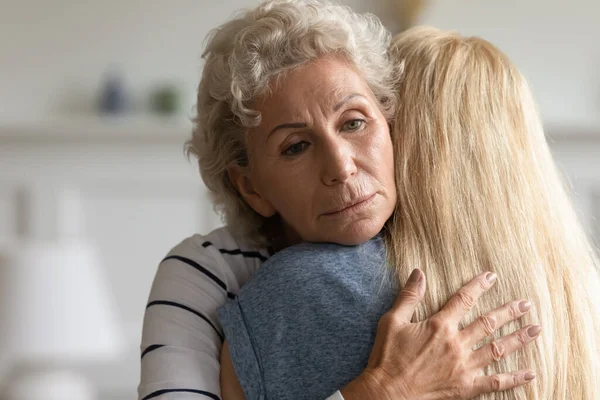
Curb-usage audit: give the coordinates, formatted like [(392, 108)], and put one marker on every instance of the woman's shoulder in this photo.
[(221, 241), (310, 261), (220, 255), (326, 251), (318, 279)]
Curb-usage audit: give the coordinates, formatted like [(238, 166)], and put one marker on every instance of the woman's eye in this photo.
[(353, 125), (295, 148)]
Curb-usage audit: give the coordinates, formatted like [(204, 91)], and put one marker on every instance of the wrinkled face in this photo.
[(321, 157)]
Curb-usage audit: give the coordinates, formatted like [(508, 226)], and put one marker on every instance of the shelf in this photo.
[(581, 132), (98, 128), (155, 128)]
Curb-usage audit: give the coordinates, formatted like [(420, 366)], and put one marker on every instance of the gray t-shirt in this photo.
[(304, 325)]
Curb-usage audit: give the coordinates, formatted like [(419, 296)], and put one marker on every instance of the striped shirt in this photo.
[(182, 337)]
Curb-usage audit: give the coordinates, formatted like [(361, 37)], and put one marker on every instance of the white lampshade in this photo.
[(55, 307), (54, 304)]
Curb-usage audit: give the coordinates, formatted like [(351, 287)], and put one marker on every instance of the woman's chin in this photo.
[(356, 233)]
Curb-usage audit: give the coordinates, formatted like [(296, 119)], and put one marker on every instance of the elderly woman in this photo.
[(292, 136), (468, 124)]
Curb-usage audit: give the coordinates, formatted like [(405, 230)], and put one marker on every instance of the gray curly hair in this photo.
[(244, 55)]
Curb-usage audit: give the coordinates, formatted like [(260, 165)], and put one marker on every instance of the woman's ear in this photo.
[(242, 180)]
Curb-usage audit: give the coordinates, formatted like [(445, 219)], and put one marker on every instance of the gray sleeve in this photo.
[(244, 352)]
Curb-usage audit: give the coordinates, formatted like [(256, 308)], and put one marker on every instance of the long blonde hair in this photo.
[(478, 190)]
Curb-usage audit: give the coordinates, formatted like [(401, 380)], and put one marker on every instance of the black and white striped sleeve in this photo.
[(182, 338)]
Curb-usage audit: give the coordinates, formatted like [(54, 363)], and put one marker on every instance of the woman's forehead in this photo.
[(328, 77), (325, 83)]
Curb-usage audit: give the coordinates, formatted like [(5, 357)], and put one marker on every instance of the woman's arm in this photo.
[(182, 338), (400, 366)]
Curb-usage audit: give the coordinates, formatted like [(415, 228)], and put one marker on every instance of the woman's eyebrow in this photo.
[(289, 125), (347, 99), (303, 125)]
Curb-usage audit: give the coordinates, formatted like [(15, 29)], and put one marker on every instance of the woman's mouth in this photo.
[(352, 207)]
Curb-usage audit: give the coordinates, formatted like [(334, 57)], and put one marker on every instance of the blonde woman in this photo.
[(478, 187), (293, 140), (477, 190)]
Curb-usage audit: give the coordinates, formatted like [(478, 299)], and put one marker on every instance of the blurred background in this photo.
[(95, 104)]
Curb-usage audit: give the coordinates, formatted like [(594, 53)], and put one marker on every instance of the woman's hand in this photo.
[(433, 359)]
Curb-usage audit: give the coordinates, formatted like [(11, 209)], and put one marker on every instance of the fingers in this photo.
[(508, 344), (410, 295), (497, 383), (488, 323), (462, 302)]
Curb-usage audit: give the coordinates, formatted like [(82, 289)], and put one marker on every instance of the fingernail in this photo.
[(524, 306), (529, 375), (534, 331), (415, 276), (491, 277)]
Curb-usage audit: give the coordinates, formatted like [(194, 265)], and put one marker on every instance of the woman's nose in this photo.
[(338, 163)]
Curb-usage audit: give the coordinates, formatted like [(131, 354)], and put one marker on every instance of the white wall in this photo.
[(53, 53), (554, 42)]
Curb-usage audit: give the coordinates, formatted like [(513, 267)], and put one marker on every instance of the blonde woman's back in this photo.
[(478, 190)]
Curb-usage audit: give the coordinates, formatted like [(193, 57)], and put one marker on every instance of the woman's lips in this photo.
[(350, 208)]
